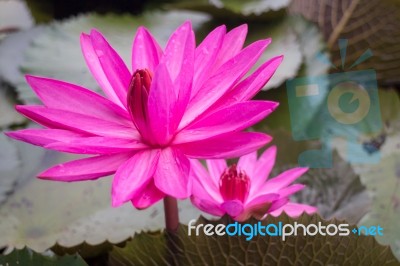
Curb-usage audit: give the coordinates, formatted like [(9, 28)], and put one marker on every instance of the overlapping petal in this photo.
[(205, 56), (230, 119), (86, 169), (224, 78), (43, 137), (104, 63), (146, 52), (61, 119), (225, 146), (232, 45), (133, 176), (69, 97), (172, 173)]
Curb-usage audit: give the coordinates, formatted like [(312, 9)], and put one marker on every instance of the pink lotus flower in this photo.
[(243, 190), (173, 104)]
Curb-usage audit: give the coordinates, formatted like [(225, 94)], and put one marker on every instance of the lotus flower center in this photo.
[(234, 184), (138, 94), (141, 79)]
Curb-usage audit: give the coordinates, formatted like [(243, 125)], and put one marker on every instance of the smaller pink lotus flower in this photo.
[(242, 190)]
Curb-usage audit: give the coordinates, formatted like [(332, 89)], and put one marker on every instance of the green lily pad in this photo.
[(12, 51), (253, 10), (181, 249), (9, 162), (284, 42), (14, 16), (28, 257), (347, 20), (56, 51), (300, 43), (383, 182), (382, 178), (8, 115), (337, 191)]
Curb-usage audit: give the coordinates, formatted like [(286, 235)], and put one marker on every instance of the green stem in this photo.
[(171, 214)]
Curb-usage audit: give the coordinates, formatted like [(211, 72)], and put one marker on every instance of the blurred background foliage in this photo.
[(41, 37)]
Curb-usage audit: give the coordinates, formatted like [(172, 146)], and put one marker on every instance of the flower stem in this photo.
[(171, 214)]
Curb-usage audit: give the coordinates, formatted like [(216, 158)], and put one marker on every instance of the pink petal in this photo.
[(278, 204), (204, 186), (225, 146), (162, 104), (216, 167), (247, 163), (294, 209), (179, 60), (232, 207), (113, 66), (133, 176), (282, 180), (232, 44), (205, 56), (69, 97), (262, 199), (210, 207), (249, 87), (179, 47), (96, 145), (146, 52), (257, 207), (226, 76), (93, 62), (233, 118), (263, 168), (42, 137), (172, 174), (149, 195), (86, 169), (288, 191), (60, 119)]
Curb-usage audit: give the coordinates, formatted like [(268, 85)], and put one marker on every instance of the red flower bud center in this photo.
[(141, 79), (138, 93), (234, 184)]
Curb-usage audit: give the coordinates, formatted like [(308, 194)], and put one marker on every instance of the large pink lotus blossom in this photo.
[(172, 104), (244, 190)]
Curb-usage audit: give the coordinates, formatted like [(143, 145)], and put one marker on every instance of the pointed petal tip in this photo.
[(95, 31), (302, 169), (276, 61), (274, 105), (14, 135), (19, 108), (267, 138), (301, 186), (142, 30), (241, 28), (9, 133), (266, 42), (29, 77), (187, 23), (273, 149), (43, 176), (83, 35), (115, 202)]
